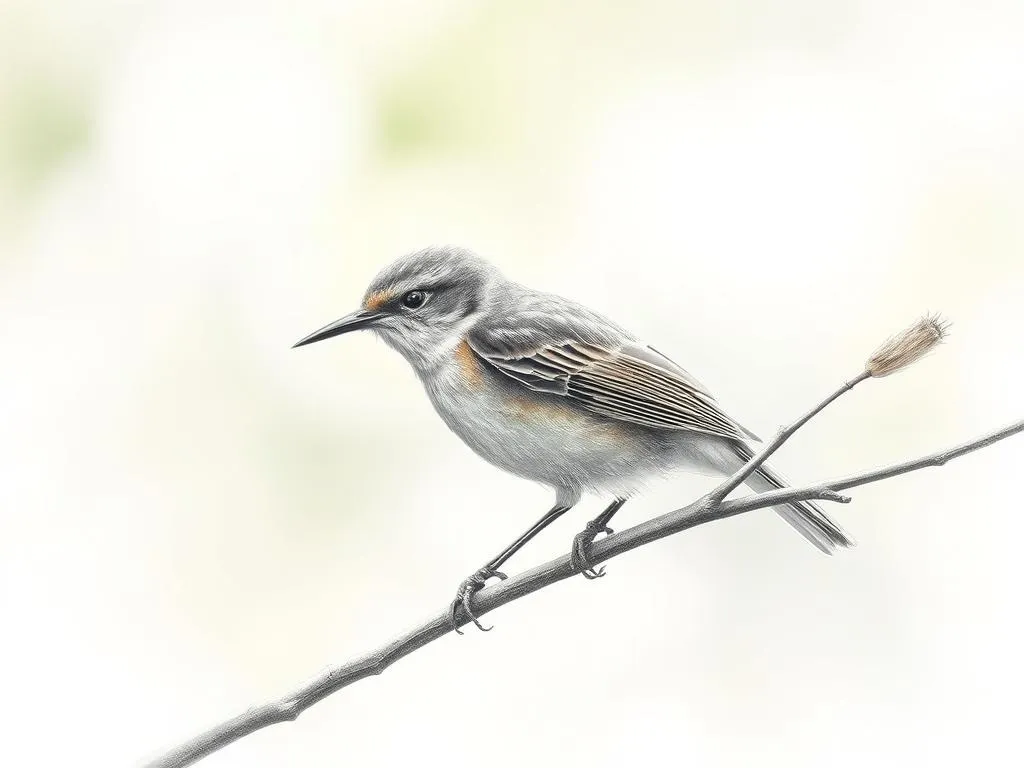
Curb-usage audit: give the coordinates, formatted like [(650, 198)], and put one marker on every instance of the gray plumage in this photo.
[(554, 392)]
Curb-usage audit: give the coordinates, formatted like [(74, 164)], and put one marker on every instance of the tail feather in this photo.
[(806, 517)]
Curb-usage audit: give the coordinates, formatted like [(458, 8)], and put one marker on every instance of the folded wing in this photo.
[(624, 381)]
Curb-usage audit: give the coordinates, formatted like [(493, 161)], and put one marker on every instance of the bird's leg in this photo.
[(578, 554), (476, 582)]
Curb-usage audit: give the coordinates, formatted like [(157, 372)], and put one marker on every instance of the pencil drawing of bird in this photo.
[(554, 392)]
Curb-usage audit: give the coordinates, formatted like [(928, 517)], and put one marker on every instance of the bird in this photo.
[(551, 391)]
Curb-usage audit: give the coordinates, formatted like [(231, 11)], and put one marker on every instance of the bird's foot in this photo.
[(579, 560), (464, 596)]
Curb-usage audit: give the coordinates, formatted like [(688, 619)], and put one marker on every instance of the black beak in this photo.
[(361, 318)]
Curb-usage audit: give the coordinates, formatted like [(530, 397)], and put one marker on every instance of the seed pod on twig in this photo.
[(908, 346)]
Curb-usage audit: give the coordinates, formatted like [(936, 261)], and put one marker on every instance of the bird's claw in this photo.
[(578, 558), (464, 596)]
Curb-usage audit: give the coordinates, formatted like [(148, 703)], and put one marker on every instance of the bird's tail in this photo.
[(806, 516)]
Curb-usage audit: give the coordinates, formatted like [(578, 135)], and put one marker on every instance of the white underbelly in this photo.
[(561, 446)]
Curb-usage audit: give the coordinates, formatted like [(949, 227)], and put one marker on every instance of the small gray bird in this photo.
[(554, 392)]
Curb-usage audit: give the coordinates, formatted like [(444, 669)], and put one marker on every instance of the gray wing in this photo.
[(597, 365)]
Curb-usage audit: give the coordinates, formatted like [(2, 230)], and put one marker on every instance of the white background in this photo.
[(195, 518)]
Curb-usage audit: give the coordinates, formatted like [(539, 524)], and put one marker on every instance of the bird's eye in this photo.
[(414, 299)]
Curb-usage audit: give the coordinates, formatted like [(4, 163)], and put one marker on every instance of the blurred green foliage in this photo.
[(42, 123)]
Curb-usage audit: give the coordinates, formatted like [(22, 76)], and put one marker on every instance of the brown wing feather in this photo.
[(622, 383)]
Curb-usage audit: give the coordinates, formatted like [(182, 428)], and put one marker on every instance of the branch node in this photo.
[(709, 502), (378, 664), (827, 494)]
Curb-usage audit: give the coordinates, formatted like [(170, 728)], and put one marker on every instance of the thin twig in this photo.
[(822, 490), (737, 479), (703, 510)]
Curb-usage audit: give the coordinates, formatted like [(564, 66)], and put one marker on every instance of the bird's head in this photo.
[(421, 304)]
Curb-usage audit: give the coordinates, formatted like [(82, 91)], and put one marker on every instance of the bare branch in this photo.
[(703, 510), (820, 491)]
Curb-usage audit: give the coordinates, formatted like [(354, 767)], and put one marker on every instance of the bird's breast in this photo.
[(467, 391), (532, 434)]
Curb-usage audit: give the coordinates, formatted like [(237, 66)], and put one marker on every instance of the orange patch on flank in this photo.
[(536, 410), (469, 366), (604, 432), (377, 300)]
